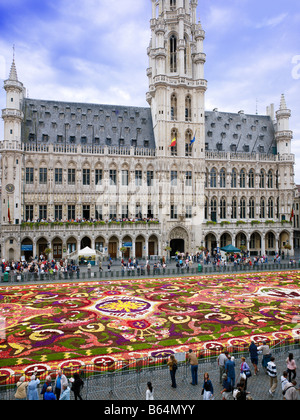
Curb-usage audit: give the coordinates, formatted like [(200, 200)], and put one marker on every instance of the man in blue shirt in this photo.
[(230, 370)]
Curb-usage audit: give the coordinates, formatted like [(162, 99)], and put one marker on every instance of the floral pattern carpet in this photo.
[(54, 325)]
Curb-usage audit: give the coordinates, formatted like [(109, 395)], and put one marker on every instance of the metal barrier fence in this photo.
[(140, 273), (111, 377)]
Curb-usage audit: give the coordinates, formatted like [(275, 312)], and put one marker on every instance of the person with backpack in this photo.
[(172, 363), (227, 389)]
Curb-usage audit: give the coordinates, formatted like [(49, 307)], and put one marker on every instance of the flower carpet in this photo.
[(55, 325)]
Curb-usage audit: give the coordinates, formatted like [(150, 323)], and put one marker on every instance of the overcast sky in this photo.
[(95, 51)]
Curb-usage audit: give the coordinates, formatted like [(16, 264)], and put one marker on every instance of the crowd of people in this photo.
[(38, 267), (236, 386), (59, 390)]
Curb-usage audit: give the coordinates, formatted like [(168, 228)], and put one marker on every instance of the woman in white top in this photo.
[(149, 392)]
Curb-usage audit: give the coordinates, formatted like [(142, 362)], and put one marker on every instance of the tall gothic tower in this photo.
[(11, 149), (176, 78)]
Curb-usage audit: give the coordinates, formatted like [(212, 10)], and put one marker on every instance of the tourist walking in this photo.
[(272, 372), (77, 385), (149, 392), (230, 369), (265, 349), (60, 381), (32, 392), (290, 393), (222, 359), (227, 390), (192, 358), (21, 392), (245, 371), (172, 363), (291, 367), (207, 389), (254, 356)]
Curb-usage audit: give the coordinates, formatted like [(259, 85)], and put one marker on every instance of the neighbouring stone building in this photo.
[(146, 179)]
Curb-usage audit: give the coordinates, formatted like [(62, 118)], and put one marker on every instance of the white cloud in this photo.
[(272, 21)]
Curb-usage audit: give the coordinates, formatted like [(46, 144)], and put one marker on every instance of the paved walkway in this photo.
[(133, 386)]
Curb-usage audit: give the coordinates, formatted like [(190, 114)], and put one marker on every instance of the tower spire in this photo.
[(13, 70)]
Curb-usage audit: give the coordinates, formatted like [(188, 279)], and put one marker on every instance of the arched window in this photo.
[(262, 208), (234, 208), (213, 209), (188, 145), (262, 179), (270, 179), (223, 208), (173, 54), (213, 178), (233, 178), (252, 208), (173, 107), (206, 209), (222, 178), (251, 178), (188, 108), (243, 208), (242, 179), (172, 4), (270, 208)]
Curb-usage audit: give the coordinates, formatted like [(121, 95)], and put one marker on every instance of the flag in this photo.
[(8, 212), (173, 143), (292, 215), (193, 140)]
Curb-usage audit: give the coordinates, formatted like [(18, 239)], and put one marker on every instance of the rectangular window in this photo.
[(138, 211), (71, 212), (173, 212), (174, 178), (98, 212), (58, 212), (29, 175), (86, 211), (188, 212), (112, 211), (98, 176), (43, 212), (124, 211), (58, 176), (150, 212), (138, 178), (113, 177), (29, 213), (125, 178), (150, 176), (71, 176), (188, 179), (43, 175), (86, 177)]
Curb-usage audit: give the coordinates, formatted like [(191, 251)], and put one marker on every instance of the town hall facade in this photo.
[(152, 180)]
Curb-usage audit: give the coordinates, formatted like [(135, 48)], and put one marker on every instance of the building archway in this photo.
[(85, 242), (27, 249), (113, 247), (179, 240)]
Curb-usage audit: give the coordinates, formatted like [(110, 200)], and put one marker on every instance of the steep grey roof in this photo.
[(113, 125), (78, 123), (239, 132)]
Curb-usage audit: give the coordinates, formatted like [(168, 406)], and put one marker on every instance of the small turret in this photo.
[(283, 133)]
